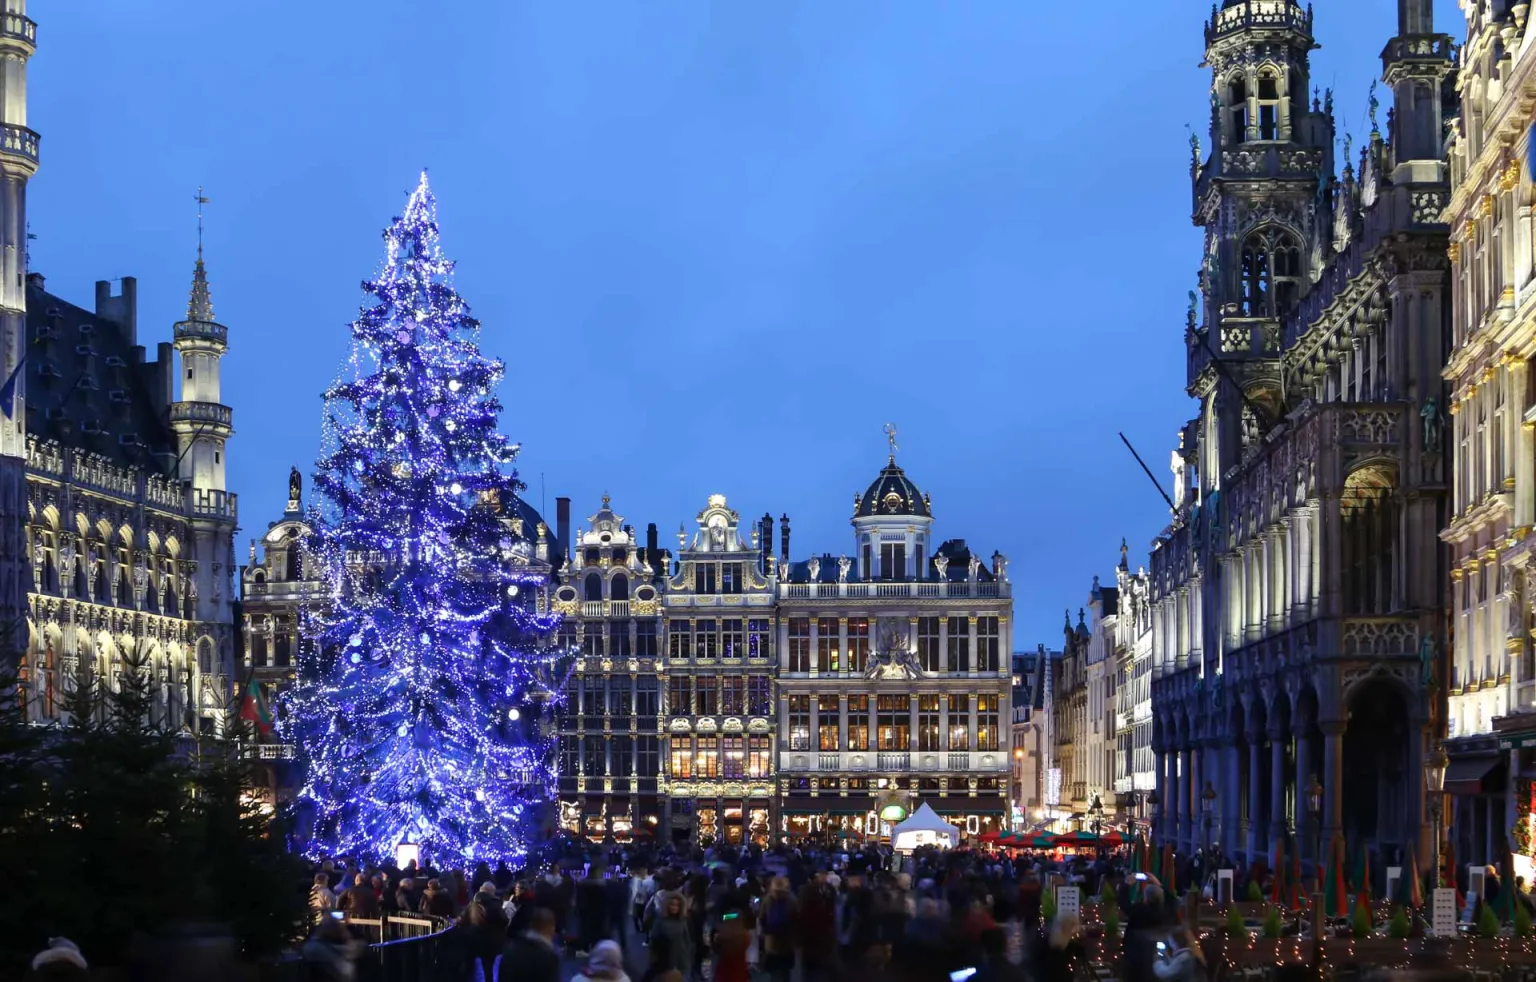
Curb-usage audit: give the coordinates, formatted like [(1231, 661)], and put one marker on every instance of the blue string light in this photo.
[(427, 673)]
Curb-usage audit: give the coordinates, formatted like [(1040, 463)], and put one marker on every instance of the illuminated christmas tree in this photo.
[(427, 674)]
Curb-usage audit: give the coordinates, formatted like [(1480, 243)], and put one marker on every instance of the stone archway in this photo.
[(1378, 772)]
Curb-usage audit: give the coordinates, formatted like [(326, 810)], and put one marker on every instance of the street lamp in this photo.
[(1154, 804), (1207, 806), (1434, 783), (1315, 809)]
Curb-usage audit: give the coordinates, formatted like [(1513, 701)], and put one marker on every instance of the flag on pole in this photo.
[(1298, 888), (1415, 892), (1335, 901), (1277, 881), (8, 390), (253, 707), (1363, 887)]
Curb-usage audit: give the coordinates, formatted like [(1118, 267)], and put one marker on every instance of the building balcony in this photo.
[(267, 751), (1249, 15), (1270, 161), (216, 335), (18, 28), (206, 413), (213, 504), (886, 762), (19, 142), (894, 590)]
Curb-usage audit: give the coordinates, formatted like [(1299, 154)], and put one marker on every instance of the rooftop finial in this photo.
[(200, 303), (201, 200), (890, 437)]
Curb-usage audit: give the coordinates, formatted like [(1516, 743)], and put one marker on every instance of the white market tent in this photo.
[(924, 828)]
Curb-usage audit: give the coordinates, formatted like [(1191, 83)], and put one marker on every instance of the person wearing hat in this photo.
[(606, 964), (61, 961)]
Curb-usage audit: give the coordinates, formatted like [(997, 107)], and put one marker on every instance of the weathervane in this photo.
[(890, 437), (201, 200)]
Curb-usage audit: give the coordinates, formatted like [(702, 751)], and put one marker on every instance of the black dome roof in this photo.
[(892, 494)]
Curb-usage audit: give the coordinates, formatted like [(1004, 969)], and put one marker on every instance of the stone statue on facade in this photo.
[(1194, 305), (1428, 656), (295, 484), (941, 563), (814, 568), (1429, 416), (973, 567), (843, 565)]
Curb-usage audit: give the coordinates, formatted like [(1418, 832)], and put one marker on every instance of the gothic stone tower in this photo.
[(1258, 197), (18, 162), (203, 426)]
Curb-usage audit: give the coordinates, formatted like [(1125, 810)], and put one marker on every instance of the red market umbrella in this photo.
[(1112, 838), (991, 836)]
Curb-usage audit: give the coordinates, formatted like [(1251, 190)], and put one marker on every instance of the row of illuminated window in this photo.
[(728, 757), (618, 755), (595, 696), (279, 654), (941, 722), (719, 695), (730, 637), (621, 638), (942, 644)]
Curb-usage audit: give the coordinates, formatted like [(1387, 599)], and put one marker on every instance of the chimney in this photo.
[(652, 553), (767, 539), (784, 538), (563, 525), (122, 309)]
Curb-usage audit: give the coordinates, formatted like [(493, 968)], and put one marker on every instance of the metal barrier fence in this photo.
[(399, 949)]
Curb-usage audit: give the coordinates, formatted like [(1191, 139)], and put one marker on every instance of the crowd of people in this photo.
[(749, 914)]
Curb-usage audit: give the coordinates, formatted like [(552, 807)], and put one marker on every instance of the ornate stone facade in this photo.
[(1291, 598), (1492, 671), (717, 704), (894, 674), (610, 741)]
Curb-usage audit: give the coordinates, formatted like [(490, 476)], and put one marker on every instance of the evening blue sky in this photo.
[(720, 244)]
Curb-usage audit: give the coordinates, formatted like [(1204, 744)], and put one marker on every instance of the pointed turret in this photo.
[(200, 302), (200, 420), (1416, 64)]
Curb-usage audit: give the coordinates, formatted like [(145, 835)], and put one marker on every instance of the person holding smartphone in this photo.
[(1181, 959)]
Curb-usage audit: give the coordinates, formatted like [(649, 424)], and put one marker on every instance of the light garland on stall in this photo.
[(427, 674)]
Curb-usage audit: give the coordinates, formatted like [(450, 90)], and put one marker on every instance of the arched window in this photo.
[(619, 587), (1237, 108), (592, 588), (1269, 106), (293, 567), (205, 657), (1271, 271)]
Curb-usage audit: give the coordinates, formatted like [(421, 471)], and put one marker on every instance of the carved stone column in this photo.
[(1333, 778), (1279, 824)]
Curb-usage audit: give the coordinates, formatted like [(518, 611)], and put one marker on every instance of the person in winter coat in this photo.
[(408, 896), (1064, 950), (321, 899), (436, 901), (777, 925), (359, 900), (672, 925), (331, 953), (1185, 962), (605, 965), (729, 945)]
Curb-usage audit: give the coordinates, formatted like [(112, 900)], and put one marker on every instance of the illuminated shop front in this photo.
[(860, 807)]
